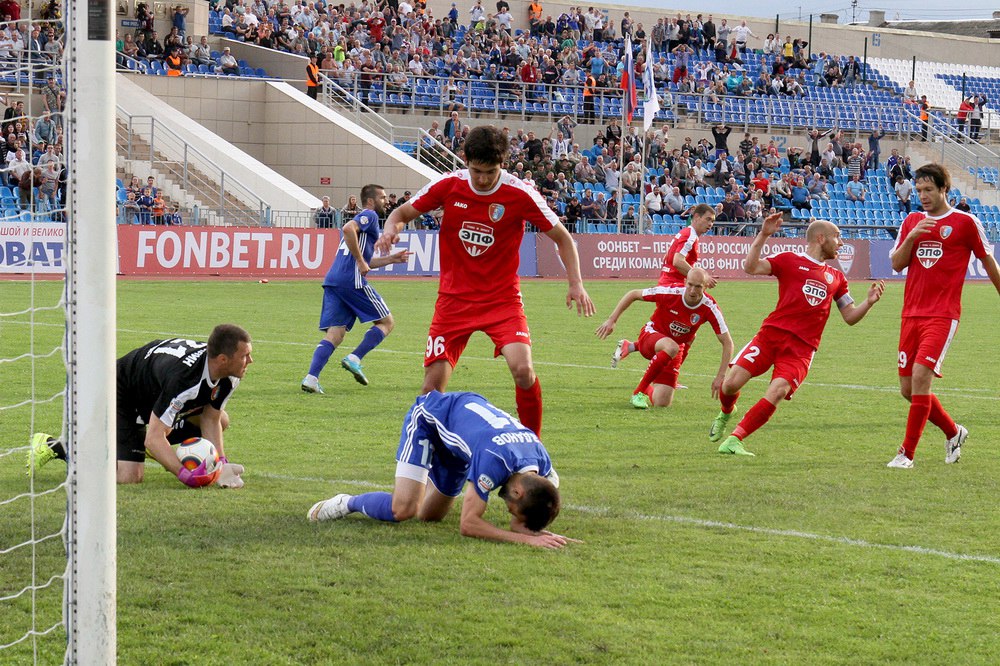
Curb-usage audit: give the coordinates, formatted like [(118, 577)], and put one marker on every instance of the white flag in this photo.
[(652, 104)]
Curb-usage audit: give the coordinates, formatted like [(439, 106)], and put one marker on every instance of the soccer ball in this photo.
[(192, 452)]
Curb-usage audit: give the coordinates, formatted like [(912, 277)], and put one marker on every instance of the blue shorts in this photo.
[(343, 305), (420, 448)]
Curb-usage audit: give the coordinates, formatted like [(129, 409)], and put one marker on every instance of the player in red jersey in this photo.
[(680, 312), (789, 336), (485, 209), (934, 246), (680, 257)]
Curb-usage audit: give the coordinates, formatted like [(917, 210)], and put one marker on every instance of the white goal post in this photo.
[(91, 251)]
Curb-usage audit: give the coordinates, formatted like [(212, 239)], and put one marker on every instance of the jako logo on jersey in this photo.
[(845, 256), (523, 334), (476, 237), (678, 329), (485, 483), (496, 212), (460, 204), (815, 292), (945, 232), (695, 318), (929, 252)]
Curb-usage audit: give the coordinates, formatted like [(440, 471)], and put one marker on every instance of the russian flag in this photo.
[(628, 82)]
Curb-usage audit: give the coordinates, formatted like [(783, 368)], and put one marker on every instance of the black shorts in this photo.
[(132, 434)]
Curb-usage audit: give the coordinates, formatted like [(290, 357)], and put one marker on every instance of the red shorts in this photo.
[(646, 345), (924, 340), (455, 320), (790, 356)]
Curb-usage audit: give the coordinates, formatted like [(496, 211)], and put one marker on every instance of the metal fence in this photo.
[(220, 197)]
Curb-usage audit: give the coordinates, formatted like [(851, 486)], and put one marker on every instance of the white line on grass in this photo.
[(698, 522)]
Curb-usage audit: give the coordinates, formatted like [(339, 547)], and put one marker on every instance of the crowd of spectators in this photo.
[(144, 203), (32, 163)]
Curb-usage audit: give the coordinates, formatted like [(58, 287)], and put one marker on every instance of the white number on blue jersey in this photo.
[(497, 418)]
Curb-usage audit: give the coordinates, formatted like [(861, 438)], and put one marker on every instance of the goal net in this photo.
[(57, 333)]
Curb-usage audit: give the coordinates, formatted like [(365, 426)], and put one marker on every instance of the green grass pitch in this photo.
[(813, 552)]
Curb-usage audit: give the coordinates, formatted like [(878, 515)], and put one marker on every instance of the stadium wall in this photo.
[(309, 144), (198, 252)]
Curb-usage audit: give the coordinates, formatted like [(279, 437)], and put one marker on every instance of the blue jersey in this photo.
[(463, 432), (344, 271)]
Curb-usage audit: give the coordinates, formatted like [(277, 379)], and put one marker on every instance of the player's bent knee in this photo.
[(403, 510), (129, 472), (386, 324)]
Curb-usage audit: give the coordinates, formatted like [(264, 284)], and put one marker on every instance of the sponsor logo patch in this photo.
[(678, 329), (215, 392), (946, 231), (476, 237), (496, 212), (845, 256), (485, 483), (695, 318), (928, 253), (176, 405), (814, 291)]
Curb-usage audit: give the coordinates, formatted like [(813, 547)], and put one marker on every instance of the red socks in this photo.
[(728, 402), (941, 419), (660, 361), (529, 406), (758, 415), (920, 410)]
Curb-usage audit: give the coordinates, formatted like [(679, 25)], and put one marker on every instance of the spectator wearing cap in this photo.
[(227, 62)]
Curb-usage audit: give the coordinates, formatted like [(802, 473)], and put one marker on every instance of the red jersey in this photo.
[(806, 289), (480, 236), (938, 263), (685, 242), (675, 318)]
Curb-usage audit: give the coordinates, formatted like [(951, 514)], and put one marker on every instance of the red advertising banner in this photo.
[(641, 257), (194, 251)]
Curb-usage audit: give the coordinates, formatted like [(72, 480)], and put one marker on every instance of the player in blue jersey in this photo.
[(454, 439), (347, 296)]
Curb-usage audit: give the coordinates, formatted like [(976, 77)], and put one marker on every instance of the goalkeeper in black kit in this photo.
[(169, 391)]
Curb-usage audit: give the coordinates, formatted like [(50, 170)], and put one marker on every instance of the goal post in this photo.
[(91, 253)]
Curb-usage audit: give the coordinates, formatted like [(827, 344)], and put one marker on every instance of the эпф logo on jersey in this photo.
[(815, 292), (477, 237), (928, 253)]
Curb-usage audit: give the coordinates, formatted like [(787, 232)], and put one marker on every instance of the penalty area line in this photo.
[(700, 523)]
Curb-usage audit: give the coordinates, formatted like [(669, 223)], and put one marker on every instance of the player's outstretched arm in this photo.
[(754, 264), (900, 255), (855, 312), (396, 222), (394, 258), (473, 524), (608, 327), (727, 354), (571, 260)]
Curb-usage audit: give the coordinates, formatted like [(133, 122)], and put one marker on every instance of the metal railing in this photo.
[(415, 141), (221, 197), (958, 149)]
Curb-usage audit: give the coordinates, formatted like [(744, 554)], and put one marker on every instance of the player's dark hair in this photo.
[(539, 504), (936, 173), (702, 209), (487, 145), (226, 339), (369, 191)]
